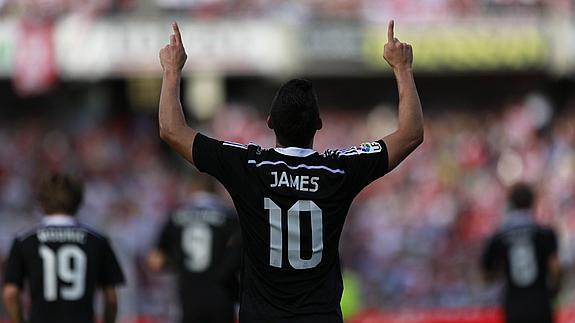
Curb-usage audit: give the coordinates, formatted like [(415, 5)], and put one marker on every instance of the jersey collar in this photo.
[(518, 218), (58, 220), (295, 151), (205, 199)]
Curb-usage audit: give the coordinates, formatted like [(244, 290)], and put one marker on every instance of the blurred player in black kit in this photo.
[(526, 254), (291, 200), (62, 261), (198, 242)]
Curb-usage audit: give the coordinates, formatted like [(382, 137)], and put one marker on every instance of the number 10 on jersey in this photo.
[(294, 234)]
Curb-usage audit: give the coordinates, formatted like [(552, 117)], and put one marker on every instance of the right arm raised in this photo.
[(173, 127), (409, 134)]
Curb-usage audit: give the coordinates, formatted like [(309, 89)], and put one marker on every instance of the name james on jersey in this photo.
[(302, 183)]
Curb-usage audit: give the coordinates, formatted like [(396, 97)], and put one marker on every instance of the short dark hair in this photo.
[(521, 196), (60, 193), (295, 113)]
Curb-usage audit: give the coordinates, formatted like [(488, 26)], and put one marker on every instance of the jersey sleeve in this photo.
[(166, 237), (221, 159), (112, 274), (365, 163), (227, 272), (490, 259), (15, 268), (551, 241)]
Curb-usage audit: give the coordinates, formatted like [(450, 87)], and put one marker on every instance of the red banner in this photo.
[(35, 64), (457, 315)]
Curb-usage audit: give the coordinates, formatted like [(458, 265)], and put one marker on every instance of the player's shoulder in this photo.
[(366, 148), (91, 231), (206, 144), (234, 145), (546, 230), (242, 151), (28, 232)]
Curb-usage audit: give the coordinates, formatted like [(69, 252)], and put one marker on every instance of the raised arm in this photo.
[(173, 127), (409, 134)]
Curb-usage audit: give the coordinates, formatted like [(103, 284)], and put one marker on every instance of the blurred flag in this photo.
[(35, 66)]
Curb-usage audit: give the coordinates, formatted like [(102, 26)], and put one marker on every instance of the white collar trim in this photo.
[(295, 151), (58, 220)]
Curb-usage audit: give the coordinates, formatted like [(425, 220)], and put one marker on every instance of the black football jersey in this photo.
[(63, 263), (521, 250), (195, 239), (292, 204)]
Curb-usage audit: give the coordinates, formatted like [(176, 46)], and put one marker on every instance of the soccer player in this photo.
[(526, 253), (62, 262), (196, 242), (291, 200)]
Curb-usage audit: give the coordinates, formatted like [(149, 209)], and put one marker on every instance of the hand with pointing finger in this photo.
[(173, 56), (397, 54)]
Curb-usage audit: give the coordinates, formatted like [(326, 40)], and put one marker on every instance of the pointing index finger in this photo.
[(177, 33), (390, 34)]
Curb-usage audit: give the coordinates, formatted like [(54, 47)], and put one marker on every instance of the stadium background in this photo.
[(79, 87)]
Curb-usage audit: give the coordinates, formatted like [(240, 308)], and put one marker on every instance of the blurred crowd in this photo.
[(413, 238), (300, 10), (416, 236)]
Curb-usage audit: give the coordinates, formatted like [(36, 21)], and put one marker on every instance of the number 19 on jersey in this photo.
[(68, 265)]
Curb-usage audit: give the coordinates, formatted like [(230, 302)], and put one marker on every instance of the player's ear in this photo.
[(270, 123), (319, 124)]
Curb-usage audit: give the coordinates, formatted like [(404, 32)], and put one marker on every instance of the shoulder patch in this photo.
[(365, 148), (369, 147)]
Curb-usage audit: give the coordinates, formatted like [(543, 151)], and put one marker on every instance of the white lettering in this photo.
[(314, 182), (275, 183), (302, 183), (61, 235), (304, 180), (283, 180), (294, 181), (212, 216)]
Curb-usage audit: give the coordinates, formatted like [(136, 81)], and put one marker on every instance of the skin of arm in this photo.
[(173, 127), (11, 295), (110, 304), (409, 134), (555, 274), (156, 260)]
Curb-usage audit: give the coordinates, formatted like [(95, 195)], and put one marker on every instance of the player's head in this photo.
[(294, 114), (521, 196), (60, 194)]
